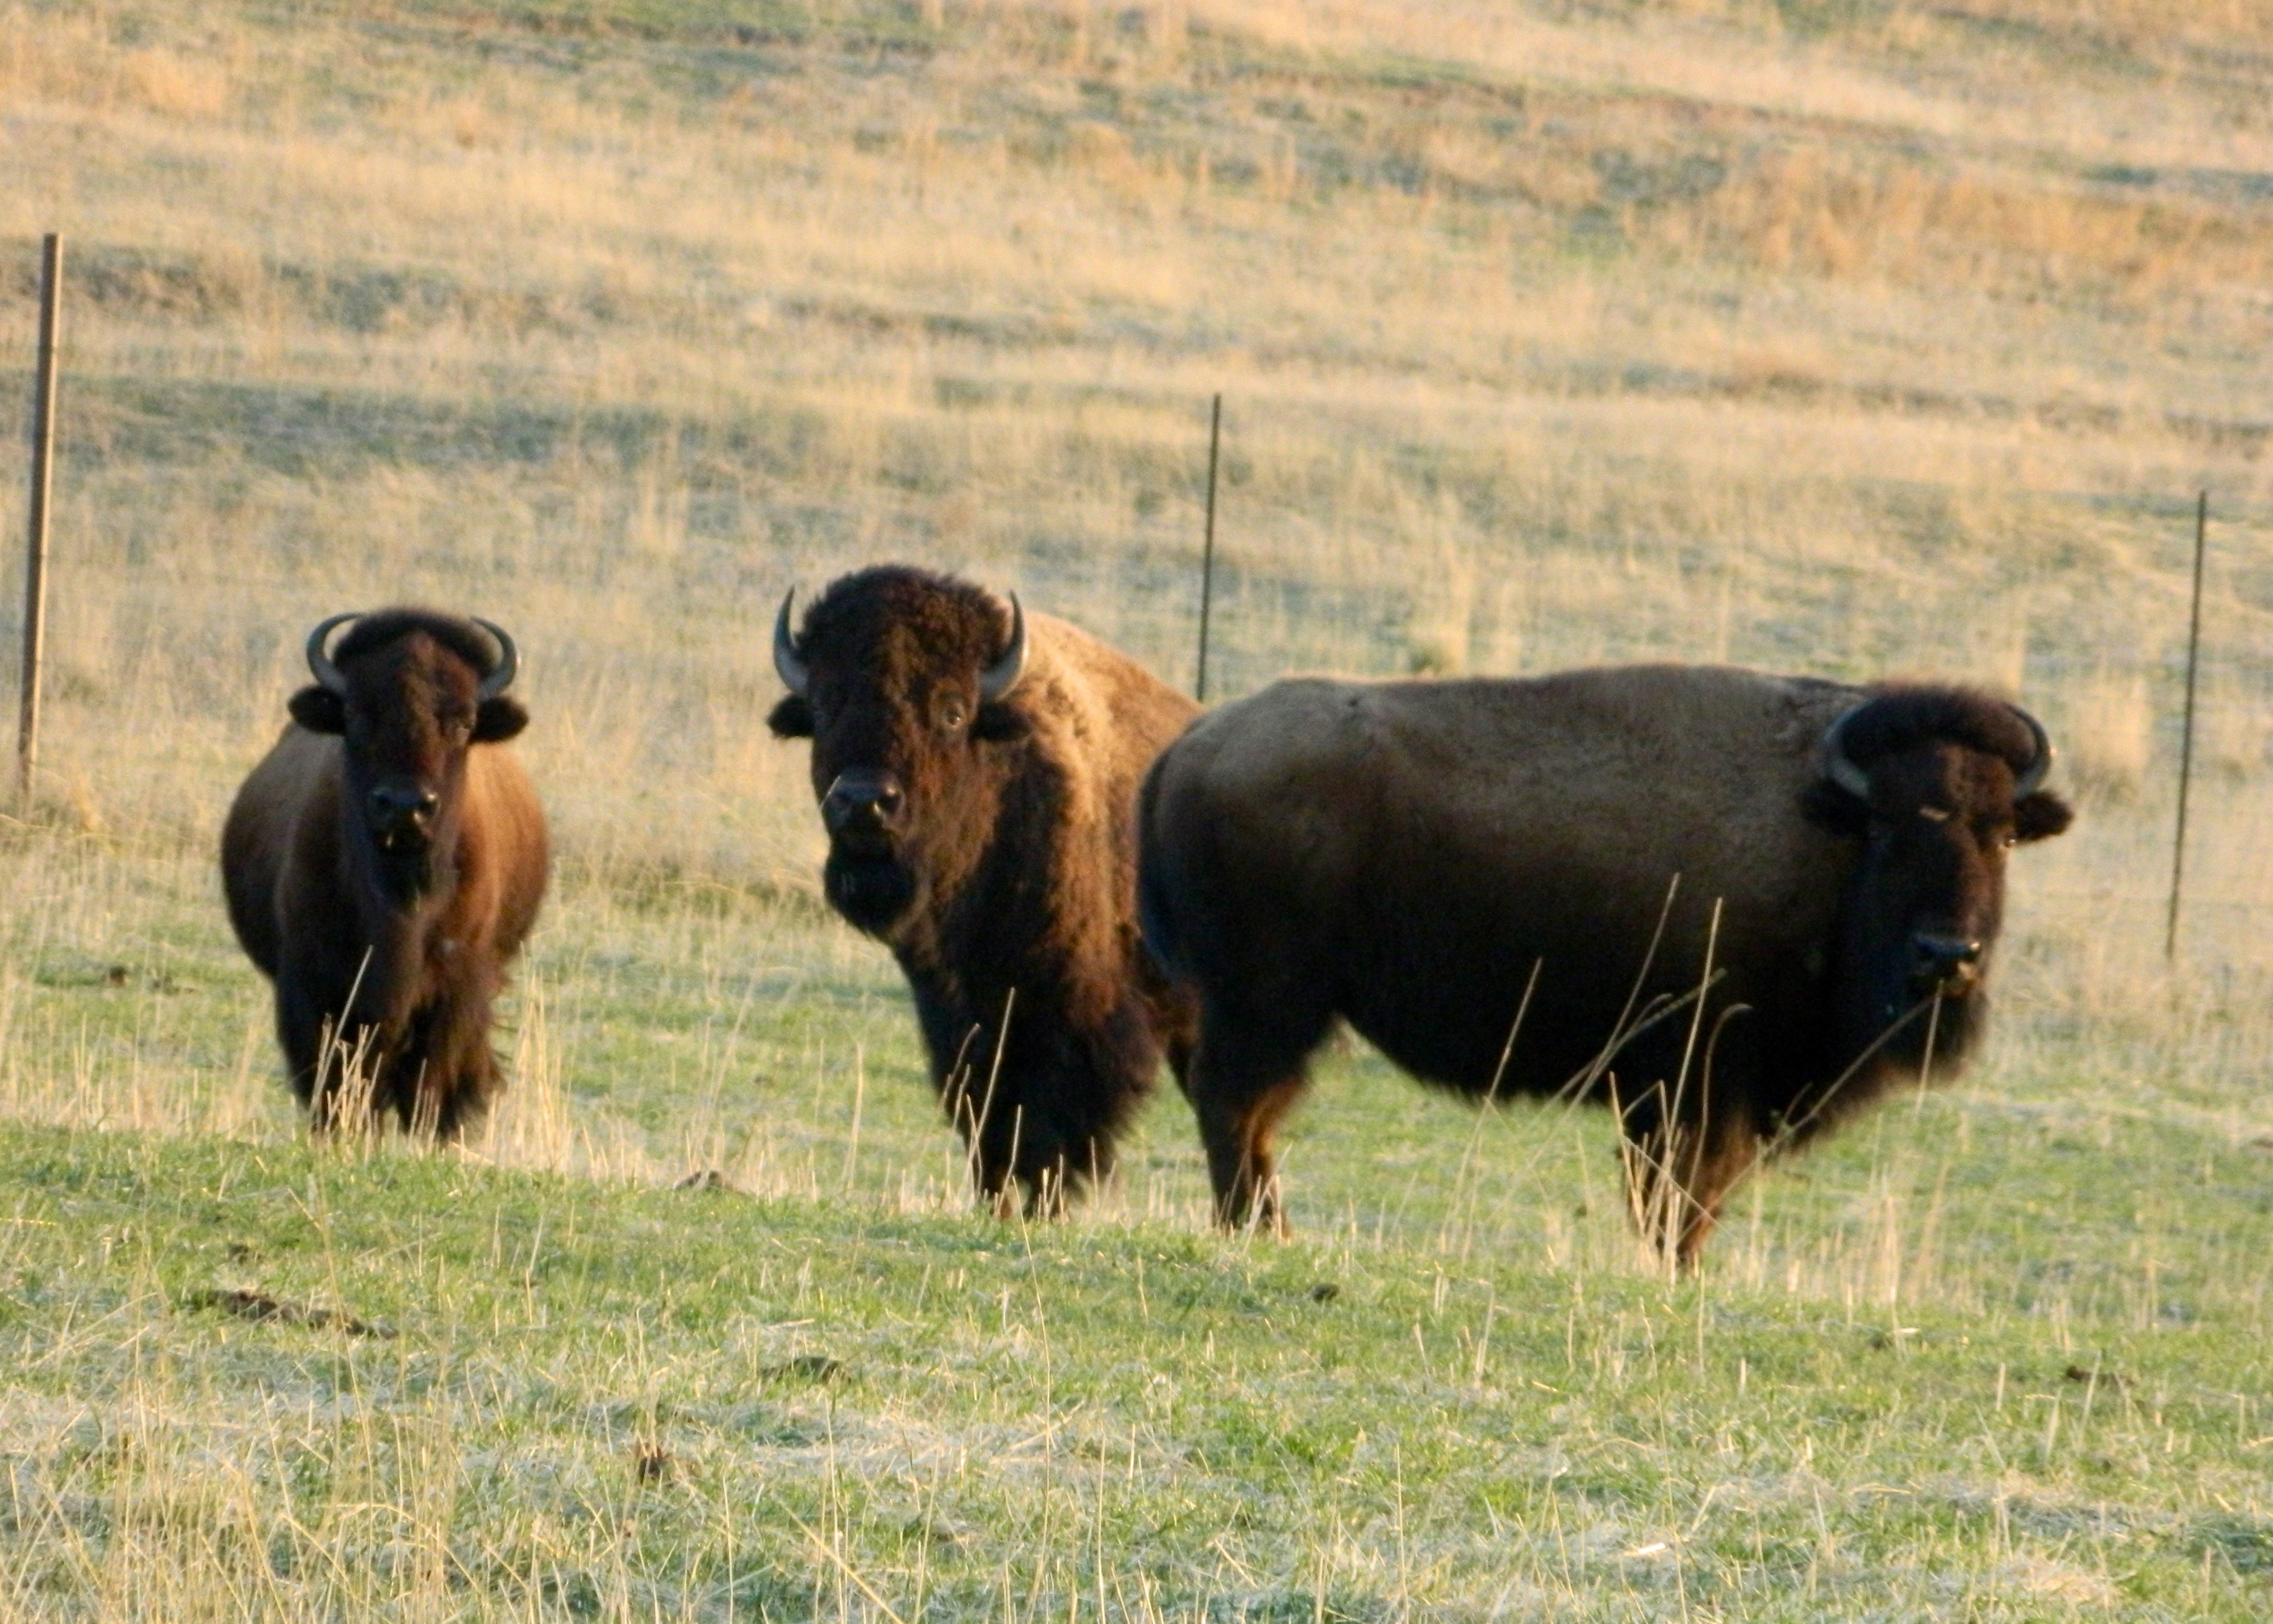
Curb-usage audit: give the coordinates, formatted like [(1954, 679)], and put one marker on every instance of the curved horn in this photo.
[(1837, 766), (792, 670), (1000, 677), (320, 663), (2032, 777), (505, 669)]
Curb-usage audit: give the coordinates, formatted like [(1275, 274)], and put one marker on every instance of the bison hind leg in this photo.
[(1243, 1159), (1245, 1077)]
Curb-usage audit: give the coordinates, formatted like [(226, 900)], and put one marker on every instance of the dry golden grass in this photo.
[(1702, 334)]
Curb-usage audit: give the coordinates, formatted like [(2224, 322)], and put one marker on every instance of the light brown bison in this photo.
[(1424, 859), (384, 862), (977, 770)]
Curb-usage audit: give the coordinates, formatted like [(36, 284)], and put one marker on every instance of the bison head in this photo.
[(902, 680), (410, 692), (1937, 784)]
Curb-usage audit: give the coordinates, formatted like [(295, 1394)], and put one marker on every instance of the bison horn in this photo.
[(1000, 677), (2032, 777), (508, 662), (320, 663), (794, 673), (1838, 765)]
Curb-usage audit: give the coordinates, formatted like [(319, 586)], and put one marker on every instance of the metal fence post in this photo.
[(1207, 548), (35, 557), (2186, 733)]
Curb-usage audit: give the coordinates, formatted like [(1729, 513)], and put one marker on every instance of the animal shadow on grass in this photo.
[(651, 1464), (262, 1309)]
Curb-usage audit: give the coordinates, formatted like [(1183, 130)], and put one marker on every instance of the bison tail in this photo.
[(1153, 888)]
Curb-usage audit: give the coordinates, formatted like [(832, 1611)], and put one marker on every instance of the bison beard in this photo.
[(1733, 907), (976, 771), (385, 862), (871, 891)]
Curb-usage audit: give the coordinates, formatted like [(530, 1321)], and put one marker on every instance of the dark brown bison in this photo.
[(1734, 907), (384, 862), (977, 770)]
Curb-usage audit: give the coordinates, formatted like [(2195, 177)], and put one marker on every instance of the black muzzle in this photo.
[(402, 817), (861, 809), (1944, 964)]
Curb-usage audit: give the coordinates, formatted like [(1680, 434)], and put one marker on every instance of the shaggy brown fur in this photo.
[(1410, 856), (382, 934), (1004, 880)]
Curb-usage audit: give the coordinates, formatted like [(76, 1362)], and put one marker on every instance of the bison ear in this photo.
[(1827, 806), (319, 710), (999, 722), (2040, 816), (793, 718), (498, 720)]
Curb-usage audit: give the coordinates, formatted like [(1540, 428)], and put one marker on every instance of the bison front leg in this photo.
[(1020, 1163), (457, 1075), (989, 1128), (333, 1060), (1679, 1172)]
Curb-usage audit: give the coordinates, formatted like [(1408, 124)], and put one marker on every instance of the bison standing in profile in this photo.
[(977, 770), (1733, 907), (384, 862)]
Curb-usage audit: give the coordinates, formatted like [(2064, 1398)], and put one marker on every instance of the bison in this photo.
[(1733, 907), (976, 770), (385, 862)]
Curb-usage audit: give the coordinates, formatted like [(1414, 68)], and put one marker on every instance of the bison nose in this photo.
[(1940, 962), (394, 804), (861, 803)]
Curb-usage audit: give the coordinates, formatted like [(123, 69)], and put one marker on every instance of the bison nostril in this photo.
[(1940, 957), (861, 801), (390, 802)]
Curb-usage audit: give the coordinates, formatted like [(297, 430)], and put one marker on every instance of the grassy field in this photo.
[(1840, 336)]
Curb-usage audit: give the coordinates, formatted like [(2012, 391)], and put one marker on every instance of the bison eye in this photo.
[(952, 716)]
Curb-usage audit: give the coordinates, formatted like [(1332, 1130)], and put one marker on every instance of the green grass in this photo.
[(839, 1400), (2000, 1351)]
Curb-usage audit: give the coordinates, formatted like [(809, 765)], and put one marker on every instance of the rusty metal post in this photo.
[(1207, 549), (2186, 733), (36, 557)]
